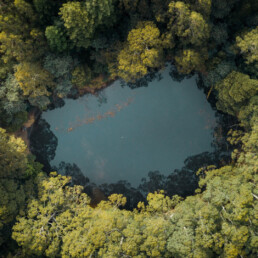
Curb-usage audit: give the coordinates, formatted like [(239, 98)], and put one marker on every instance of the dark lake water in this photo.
[(124, 133)]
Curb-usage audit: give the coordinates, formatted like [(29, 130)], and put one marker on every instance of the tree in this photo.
[(219, 33), (189, 26), (221, 8), (34, 81), (220, 221), (248, 45), (179, 18), (235, 91), (12, 103), (137, 9), (218, 72), (11, 98), (142, 51), (46, 10), (81, 76), (56, 38), (61, 70), (190, 60), (47, 215), (16, 169), (61, 222), (20, 38), (82, 19), (198, 29), (201, 6), (16, 47), (247, 112), (159, 8)]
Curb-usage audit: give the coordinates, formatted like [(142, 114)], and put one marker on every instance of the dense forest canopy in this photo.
[(53, 49)]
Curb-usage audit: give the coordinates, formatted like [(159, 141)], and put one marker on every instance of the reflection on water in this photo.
[(89, 120), (43, 143), (182, 182), (124, 133)]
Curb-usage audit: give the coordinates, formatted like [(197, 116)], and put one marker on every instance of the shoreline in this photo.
[(25, 131)]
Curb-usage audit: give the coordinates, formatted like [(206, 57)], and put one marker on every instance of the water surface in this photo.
[(124, 133)]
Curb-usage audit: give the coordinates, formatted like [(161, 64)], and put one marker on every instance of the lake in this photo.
[(123, 133)]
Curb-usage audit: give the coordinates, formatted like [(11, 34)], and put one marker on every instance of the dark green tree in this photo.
[(82, 19)]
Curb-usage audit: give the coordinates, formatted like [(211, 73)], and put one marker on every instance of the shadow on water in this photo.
[(176, 76), (74, 172), (143, 82), (43, 143), (157, 75), (181, 182)]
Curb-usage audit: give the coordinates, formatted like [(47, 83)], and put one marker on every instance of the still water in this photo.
[(124, 133)]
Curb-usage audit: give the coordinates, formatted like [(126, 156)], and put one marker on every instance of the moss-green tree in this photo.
[(61, 70), (220, 221), (235, 91), (20, 38), (190, 60), (141, 52), (81, 76), (189, 26), (248, 45), (82, 19), (12, 103), (34, 81), (11, 97), (57, 38), (16, 169)]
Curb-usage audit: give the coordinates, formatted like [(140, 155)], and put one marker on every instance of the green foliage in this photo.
[(14, 122), (218, 72), (15, 184), (60, 221), (48, 215), (82, 19), (61, 70), (219, 33), (190, 60), (189, 26), (13, 156), (142, 51), (11, 98), (202, 6), (221, 8), (56, 38), (235, 91), (34, 81), (221, 220), (247, 112), (137, 9), (20, 38), (46, 10), (15, 47), (248, 45), (81, 76), (159, 203), (159, 8)]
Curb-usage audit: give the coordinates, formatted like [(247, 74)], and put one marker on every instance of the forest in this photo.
[(50, 50)]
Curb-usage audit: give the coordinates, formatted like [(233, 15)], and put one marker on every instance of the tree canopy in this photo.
[(141, 51), (82, 19)]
